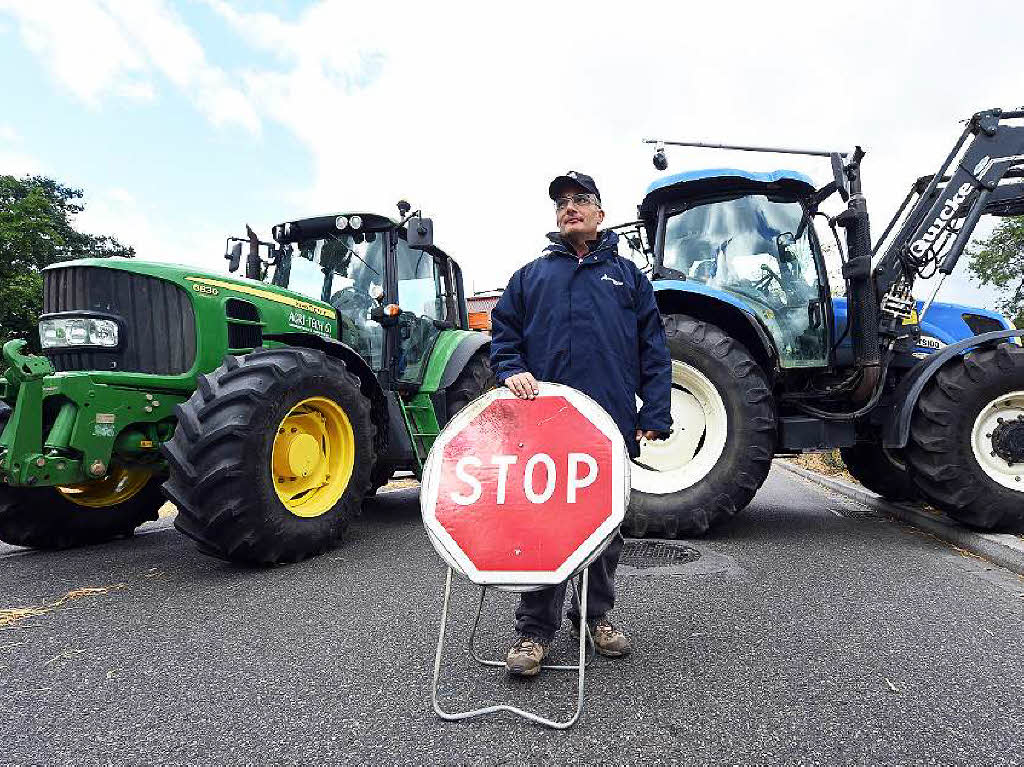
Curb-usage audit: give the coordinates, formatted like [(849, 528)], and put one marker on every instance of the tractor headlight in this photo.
[(57, 332), (340, 223), (355, 221)]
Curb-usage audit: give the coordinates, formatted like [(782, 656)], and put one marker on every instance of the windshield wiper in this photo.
[(350, 250)]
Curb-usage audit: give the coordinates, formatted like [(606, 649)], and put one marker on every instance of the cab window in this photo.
[(424, 297)]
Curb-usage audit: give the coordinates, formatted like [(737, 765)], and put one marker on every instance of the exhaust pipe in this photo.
[(862, 299)]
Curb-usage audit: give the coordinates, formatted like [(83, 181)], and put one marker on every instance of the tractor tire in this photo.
[(723, 439), (380, 476), (48, 518), (966, 450), (475, 379), (272, 456), (875, 468)]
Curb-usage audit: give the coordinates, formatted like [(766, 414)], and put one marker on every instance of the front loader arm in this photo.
[(938, 227)]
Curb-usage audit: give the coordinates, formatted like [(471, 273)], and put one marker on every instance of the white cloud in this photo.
[(16, 163), (469, 116), (81, 42), (114, 48), (118, 212), (14, 160), (172, 49)]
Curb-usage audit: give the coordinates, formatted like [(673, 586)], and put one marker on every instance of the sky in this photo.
[(183, 121)]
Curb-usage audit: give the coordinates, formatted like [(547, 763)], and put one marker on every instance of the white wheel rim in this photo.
[(700, 426), (1008, 407)]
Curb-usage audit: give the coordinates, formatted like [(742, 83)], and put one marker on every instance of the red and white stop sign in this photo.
[(525, 492)]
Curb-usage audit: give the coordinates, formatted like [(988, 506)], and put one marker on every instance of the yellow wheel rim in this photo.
[(314, 452), (117, 487)]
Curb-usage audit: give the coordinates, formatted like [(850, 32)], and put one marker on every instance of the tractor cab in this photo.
[(393, 293), (746, 239)]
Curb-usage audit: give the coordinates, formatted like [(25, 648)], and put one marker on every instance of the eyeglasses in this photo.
[(579, 200)]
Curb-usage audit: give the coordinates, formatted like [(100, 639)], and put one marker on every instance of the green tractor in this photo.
[(266, 408)]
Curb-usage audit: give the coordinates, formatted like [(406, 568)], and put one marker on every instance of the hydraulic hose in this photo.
[(879, 387)]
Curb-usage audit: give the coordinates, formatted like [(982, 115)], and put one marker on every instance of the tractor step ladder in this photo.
[(410, 411)]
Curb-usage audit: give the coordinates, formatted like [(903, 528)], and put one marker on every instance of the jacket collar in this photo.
[(603, 247)]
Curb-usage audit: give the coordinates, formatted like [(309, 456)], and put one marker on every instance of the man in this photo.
[(583, 316)]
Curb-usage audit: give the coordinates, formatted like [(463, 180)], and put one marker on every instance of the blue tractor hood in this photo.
[(944, 324), (696, 184)]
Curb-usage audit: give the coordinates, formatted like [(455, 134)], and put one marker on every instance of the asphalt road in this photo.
[(809, 631)]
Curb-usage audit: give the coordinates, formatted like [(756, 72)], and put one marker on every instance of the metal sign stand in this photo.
[(580, 667), (488, 528)]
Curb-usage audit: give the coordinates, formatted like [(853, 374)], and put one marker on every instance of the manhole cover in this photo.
[(643, 555)]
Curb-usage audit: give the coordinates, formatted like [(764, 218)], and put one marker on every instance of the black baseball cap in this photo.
[(573, 178)]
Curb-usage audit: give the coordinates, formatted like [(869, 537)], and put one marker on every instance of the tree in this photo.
[(36, 230), (1000, 262)]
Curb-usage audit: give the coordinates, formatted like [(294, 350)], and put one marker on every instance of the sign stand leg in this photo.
[(580, 667), (551, 667)]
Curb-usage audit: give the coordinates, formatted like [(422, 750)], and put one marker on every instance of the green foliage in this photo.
[(1000, 262), (36, 230)]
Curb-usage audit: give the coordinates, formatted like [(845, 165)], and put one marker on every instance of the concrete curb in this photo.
[(1004, 550)]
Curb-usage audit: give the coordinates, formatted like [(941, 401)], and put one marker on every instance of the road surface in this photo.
[(809, 630)]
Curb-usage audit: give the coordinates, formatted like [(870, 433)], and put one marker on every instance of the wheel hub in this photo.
[(1008, 440), (313, 456), (699, 431), (297, 455), (997, 440)]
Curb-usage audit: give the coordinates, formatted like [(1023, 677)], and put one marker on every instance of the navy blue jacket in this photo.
[(592, 325)]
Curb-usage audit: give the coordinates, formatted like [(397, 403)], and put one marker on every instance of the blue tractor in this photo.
[(925, 399)]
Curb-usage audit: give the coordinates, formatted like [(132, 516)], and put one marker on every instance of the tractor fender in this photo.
[(467, 347), (369, 384), (896, 432), (723, 309)]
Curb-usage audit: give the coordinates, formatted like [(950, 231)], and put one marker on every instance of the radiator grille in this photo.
[(157, 319)]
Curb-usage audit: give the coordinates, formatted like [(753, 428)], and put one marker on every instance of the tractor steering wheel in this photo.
[(349, 298), (769, 275)]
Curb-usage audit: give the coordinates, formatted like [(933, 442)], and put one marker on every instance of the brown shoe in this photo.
[(609, 641), (525, 656)]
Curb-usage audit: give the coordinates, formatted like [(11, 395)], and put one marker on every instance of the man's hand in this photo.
[(652, 435), (523, 385)]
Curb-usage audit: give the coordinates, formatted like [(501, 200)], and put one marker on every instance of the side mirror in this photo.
[(785, 242), (839, 174), (234, 257), (421, 233)]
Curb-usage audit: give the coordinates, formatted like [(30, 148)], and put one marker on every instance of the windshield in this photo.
[(761, 250), (346, 271)]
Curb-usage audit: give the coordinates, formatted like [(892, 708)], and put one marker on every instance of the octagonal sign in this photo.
[(525, 492)]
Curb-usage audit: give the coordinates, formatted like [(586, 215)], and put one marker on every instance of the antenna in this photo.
[(739, 147)]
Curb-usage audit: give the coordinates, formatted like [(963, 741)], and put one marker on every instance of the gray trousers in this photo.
[(539, 614)]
